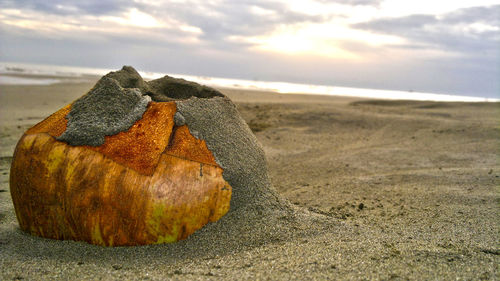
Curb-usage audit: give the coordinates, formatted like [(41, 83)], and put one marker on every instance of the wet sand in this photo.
[(379, 190)]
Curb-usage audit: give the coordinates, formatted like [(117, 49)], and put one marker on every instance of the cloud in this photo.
[(69, 7), (355, 2), (217, 18), (209, 23), (222, 19), (488, 15), (471, 31)]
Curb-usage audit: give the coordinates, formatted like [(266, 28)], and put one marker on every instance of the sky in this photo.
[(439, 46)]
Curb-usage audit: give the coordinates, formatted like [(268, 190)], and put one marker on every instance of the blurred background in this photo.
[(439, 46)]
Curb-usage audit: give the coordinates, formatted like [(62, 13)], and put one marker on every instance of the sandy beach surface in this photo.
[(380, 190)]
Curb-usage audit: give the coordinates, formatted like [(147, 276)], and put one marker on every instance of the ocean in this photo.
[(41, 74)]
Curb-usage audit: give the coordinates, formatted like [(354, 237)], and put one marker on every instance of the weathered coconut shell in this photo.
[(152, 183)]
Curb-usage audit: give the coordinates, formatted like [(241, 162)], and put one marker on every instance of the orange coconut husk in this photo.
[(153, 183)]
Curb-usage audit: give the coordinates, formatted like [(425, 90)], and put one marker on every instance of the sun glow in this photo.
[(301, 45), (134, 17), (317, 39)]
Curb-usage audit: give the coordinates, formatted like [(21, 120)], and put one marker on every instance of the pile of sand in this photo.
[(257, 214)]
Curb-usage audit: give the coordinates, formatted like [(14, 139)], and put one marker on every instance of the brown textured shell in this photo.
[(154, 183)]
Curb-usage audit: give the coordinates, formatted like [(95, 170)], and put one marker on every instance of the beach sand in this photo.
[(378, 189)]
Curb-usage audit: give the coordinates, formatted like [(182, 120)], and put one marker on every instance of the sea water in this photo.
[(13, 80), (9, 74)]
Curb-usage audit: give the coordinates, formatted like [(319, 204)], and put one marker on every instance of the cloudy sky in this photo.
[(441, 46)]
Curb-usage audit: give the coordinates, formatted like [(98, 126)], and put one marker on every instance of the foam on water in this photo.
[(49, 70), (278, 87), (10, 80)]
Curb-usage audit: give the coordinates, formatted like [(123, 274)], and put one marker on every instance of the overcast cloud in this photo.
[(344, 42), (471, 31)]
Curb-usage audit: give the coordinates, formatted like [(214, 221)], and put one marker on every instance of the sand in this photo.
[(377, 190)]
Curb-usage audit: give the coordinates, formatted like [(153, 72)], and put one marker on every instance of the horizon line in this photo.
[(247, 84)]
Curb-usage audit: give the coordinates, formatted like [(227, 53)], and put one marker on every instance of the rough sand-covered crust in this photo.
[(120, 98), (106, 110)]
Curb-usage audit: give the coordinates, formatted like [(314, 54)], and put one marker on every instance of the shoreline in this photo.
[(88, 74)]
